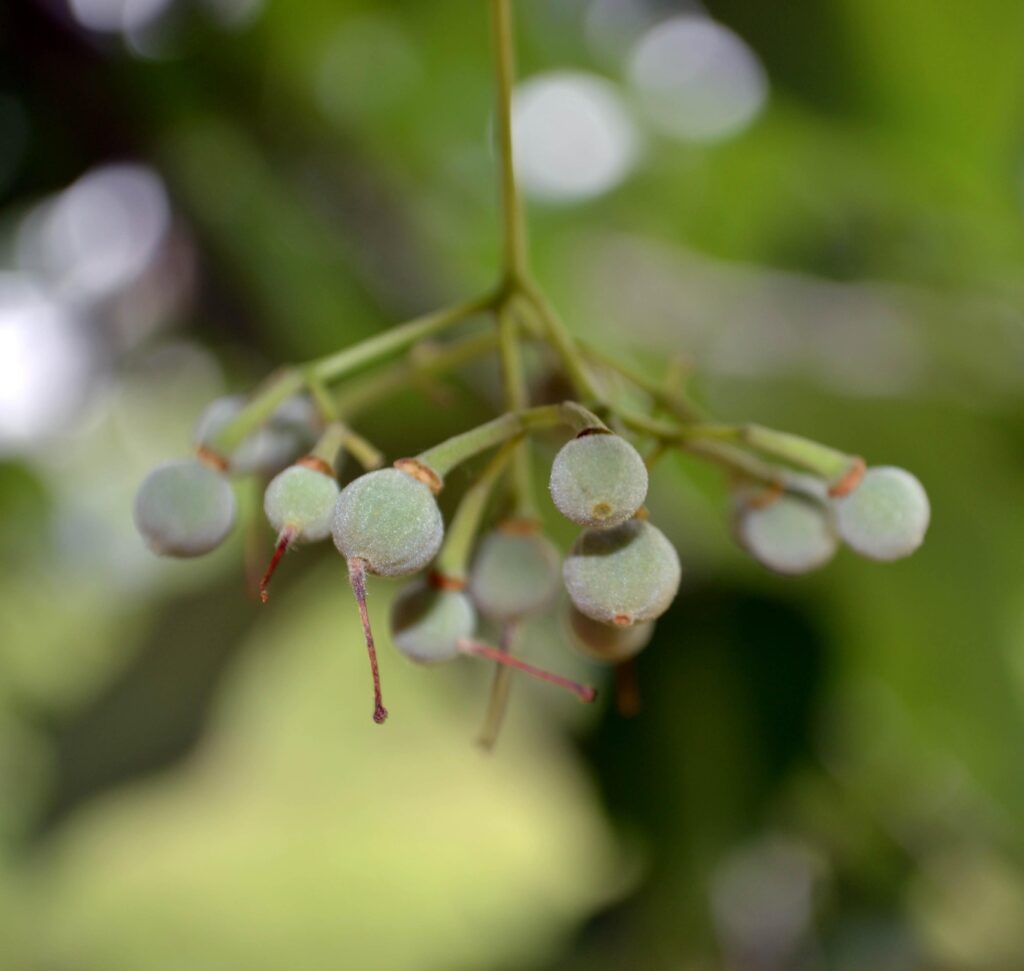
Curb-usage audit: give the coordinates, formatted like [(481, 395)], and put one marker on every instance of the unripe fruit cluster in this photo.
[(621, 573)]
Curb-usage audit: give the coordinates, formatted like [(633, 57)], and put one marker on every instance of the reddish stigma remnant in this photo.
[(283, 542), (357, 577), (584, 692)]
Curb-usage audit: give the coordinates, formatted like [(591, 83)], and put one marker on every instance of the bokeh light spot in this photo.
[(574, 137), (100, 234), (697, 80)]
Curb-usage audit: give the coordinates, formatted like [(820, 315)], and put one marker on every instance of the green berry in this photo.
[(790, 535), (622, 576), (427, 623), (598, 480), (608, 643), (515, 572), (390, 521), (184, 509), (301, 501), (287, 434), (885, 517)]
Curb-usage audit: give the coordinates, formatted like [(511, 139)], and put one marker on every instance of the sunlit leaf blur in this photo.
[(816, 207)]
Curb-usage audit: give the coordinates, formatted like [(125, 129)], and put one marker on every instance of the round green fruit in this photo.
[(598, 480), (622, 576), (389, 520), (428, 622), (184, 509)]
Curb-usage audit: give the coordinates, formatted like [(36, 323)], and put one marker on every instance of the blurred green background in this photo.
[(818, 204)]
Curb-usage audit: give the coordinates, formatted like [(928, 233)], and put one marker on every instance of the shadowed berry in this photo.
[(184, 509), (515, 571), (624, 575)]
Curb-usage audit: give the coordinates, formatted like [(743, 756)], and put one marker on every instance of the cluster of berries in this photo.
[(620, 574), (881, 513), (794, 499)]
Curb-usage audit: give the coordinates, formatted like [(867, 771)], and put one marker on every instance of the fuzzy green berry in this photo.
[(622, 576), (427, 622), (184, 509), (515, 571), (608, 643), (790, 535), (598, 480), (300, 501), (390, 521), (885, 517)]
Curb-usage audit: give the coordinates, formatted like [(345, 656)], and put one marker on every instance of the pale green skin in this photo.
[(790, 536), (598, 480), (622, 576), (390, 520), (427, 623), (606, 643), (301, 501), (287, 434), (184, 509), (514, 574), (886, 516)]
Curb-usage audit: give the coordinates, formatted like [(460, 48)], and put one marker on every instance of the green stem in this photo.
[(321, 396), (453, 560), (264, 402), (497, 704), (821, 460), (829, 463), (330, 443), (444, 457), (565, 347), (333, 366), (660, 393), (397, 339), (513, 220), (516, 399), (362, 449), (422, 362), (750, 467)]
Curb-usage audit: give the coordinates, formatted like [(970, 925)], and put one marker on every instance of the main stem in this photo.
[(516, 399), (513, 220)]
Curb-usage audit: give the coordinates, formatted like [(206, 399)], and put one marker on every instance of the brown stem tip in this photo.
[(211, 459), (627, 689), (421, 473), (584, 692), (283, 542), (849, 480), (357, 577)]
